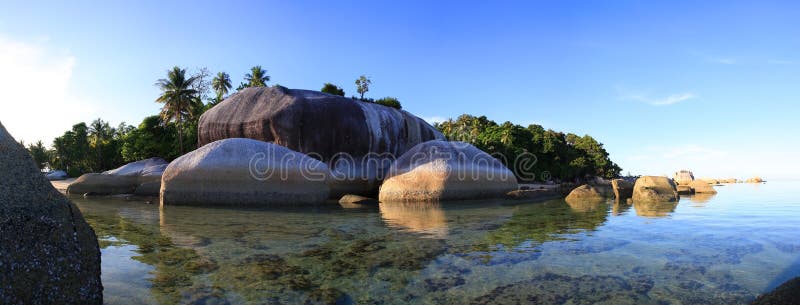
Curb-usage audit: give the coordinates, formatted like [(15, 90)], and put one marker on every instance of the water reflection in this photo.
[(654, 209), (424, 218), (547, 221), (451, 253), (701, 198), (585, 206)]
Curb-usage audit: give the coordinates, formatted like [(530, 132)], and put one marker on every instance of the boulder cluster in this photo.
[(276, 146)]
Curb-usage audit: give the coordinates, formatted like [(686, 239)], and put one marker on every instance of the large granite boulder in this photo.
[(142, 177), (358, 140), (48, 254), (440, 171), (654, 189), (244, 172), (587, 193), (700, 187), (687, 190), (683, 177), (623, 189)]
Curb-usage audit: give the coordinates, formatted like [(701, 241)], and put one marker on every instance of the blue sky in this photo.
[(711, 86)]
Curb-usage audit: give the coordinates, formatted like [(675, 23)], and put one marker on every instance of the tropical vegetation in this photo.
[(533, 153)]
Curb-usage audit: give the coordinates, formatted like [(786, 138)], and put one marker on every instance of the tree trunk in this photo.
[(180, 129)]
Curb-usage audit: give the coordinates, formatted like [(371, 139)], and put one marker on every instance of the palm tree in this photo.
[(221, 84), (257, 77), (178, 98), (99, 133)]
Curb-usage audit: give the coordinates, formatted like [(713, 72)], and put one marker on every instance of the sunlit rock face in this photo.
[(358, 140), (683, 177), (48, 254), (244, 172), (437, 171), (654, 189)]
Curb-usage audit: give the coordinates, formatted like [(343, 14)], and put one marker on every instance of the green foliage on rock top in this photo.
[(533, 153), (332, 89)]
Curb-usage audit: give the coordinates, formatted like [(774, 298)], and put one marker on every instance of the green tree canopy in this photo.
[(332, 89), (363, 83), (178, 98), (257, 77)]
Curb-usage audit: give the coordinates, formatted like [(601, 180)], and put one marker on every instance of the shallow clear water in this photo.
[(722, 249)]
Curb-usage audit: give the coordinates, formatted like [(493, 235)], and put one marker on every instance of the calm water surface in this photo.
[(722, 249)]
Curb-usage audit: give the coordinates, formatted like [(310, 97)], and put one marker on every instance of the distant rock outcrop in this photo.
[(700, 187), (654, 189), (683, 177), (244, 172), (48, 253), (142, 177), (786, 293), (755, 180), (56, 175), (440, 171), (358, 140)]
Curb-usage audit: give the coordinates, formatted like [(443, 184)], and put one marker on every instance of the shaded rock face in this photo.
[(48, 254), (586, 193), (440, 171), (358, 140), (138, 177), (687, 190), (787, 293), (622, 189), (683, 177), (701, 187), (654, 189), (244, 172)]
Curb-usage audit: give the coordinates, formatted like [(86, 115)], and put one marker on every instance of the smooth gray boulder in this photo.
[(141, 177), (244, 172), (357, 140), (48, 253), (441, 171)]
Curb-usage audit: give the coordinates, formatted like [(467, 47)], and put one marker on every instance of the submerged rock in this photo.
[(440, 171), (142, 177), (561, 289), (622, 189), (358, 140), (700, 187), (48, 254), (654, 189), (244, 172)]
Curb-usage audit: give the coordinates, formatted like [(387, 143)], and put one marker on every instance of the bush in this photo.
[(389, 102)]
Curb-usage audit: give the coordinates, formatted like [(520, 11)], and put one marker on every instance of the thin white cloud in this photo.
[(37, 103), (655, 101)]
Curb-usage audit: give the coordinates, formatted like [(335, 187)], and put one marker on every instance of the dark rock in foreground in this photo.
[(48, 254), (787, 293), (358, 140)]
